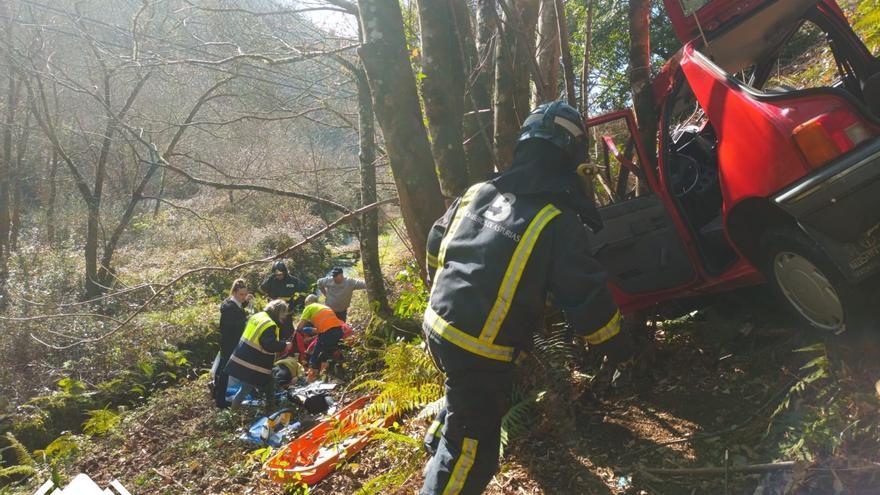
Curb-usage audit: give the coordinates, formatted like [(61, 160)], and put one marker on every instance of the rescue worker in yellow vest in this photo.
[(493, 259), (252, 360), (318, 319)]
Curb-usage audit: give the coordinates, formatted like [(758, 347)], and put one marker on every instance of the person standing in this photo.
[(280, 284), (233, 318), (493, 259), (338, 289), (253, 358), (318, 319)]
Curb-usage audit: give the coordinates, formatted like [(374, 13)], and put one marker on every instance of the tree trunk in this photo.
[(585, 70), (568, 68), (17, 176), (525, 28), (6, 161), (369, 222), (477, 120), (443, 94), (396, 104), (640, 77), (92, 286), (513, 54), (50, 201), (548, 54)]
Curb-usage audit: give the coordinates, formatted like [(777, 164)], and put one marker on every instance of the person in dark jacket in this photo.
[(280, 284), (493, 259), (253, 358), (233, 318)]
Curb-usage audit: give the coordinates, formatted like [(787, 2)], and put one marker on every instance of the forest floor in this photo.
[(716, 375)]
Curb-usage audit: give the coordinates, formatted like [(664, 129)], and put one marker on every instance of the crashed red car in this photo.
[(756, 180)]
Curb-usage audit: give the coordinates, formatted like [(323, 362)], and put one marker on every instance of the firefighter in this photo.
[(493, 259)]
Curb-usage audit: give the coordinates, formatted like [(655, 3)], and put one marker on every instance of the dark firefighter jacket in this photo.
[(253, 358), (497, 253), (288, 288)]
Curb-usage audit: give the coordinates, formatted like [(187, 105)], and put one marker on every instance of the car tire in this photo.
[(806, 280)]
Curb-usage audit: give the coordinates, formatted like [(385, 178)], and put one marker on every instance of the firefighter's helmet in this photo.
[(559, 123)]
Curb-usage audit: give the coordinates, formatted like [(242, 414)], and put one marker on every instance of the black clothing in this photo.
[(289, 288), (470, 426), (325, 347), (494, 258), (253, 365), (342, 315), (232, 321), (233, 318)]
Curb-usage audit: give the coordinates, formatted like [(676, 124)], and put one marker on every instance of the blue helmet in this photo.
[(561, 124)]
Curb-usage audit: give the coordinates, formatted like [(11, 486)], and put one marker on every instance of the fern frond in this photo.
[(519, 418), (22, 456), (431, 410), (16, 472)]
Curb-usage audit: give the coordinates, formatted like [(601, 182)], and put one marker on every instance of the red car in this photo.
[(756, 180)]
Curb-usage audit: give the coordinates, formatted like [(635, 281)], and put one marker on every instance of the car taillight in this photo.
[(824, 138)]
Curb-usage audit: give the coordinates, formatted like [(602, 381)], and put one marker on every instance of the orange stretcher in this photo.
[(310, 458)]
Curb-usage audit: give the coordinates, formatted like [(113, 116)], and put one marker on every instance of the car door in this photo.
[(639, 244)]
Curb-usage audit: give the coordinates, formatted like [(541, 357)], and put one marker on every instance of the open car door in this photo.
[(639, 245)]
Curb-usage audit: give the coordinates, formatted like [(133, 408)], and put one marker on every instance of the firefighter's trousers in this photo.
[(466, 455)]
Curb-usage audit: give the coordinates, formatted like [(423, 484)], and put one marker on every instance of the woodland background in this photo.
[(154, 150)]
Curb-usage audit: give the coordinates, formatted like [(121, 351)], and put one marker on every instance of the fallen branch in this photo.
[(710, 471), (253, 187), (228, 269)]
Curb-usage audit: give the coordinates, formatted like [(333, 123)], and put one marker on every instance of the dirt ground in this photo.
[(709, 388)]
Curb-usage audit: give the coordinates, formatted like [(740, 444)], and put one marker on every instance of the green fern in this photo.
[(519, 418), (554, 352), (408, 382), (8, 474), (406, 453), (100, 422), (22, 456)]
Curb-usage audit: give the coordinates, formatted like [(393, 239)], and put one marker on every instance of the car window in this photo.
[(804, 61), (620, 176)]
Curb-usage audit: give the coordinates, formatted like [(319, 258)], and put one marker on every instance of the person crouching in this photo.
[(252, 360), (320, 320)]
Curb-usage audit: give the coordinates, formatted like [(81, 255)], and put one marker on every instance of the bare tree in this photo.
[(548, 53)]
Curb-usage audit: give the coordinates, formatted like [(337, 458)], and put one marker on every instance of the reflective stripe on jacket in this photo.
[(251, 363), (494, 258), (324, 319)]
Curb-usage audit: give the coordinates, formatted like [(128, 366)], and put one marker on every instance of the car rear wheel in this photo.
[(807, 281)]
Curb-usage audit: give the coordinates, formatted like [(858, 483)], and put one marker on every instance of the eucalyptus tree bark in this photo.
[(585, 69), (567, 67), (477, 122), (443, 93), (513, 56), (640, 76), (548, 54), (396, 104)]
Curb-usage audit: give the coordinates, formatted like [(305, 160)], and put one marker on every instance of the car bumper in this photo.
[(839, 205)]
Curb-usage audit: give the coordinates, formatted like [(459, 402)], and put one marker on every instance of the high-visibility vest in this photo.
[(324, 319), (256, 325), (249, 362)]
